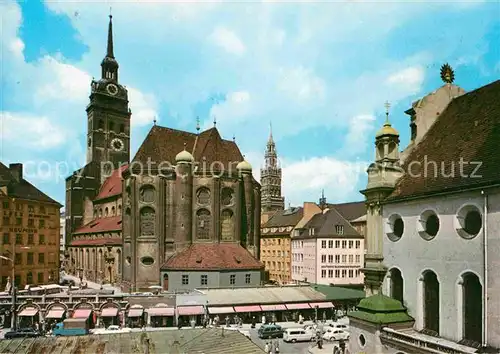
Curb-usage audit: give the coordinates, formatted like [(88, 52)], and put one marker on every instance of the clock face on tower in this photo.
[(117, 144), (112, 89)]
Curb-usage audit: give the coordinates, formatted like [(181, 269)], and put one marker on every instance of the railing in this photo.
[(428, 344)]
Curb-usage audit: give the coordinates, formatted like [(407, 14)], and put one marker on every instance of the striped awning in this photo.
[(190, 310), (109, 312), (82, 313), (220, 310), (303, 306), (250, 308), (161, 311), (322, 305), (28, 312), (55, 313), (135, 312), (273, 307)]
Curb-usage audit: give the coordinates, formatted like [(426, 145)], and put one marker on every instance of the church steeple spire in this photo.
[(109, 64), (270, 178), (109, 52)]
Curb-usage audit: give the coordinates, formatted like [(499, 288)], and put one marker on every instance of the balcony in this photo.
[(416, 342)]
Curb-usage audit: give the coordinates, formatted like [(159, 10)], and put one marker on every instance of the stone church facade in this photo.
[(186, 204)]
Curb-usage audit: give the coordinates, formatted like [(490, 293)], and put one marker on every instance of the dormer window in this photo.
[(339, 229), (311, 232)]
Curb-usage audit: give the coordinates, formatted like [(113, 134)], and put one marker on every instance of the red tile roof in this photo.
[(467, 130), (112, 185), (97, 242), (212, 256), (113, 223)]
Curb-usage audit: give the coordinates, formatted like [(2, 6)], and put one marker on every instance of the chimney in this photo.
[(16, 169)]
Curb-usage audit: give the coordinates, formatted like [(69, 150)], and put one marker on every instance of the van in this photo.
[(294, 335)]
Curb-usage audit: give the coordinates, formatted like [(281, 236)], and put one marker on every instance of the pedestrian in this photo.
[(266, 348), (277, 347)]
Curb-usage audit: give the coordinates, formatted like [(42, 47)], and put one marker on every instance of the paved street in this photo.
[(287, 348)]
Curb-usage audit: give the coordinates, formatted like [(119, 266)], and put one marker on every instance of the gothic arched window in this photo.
[(122, 128), (111, 126), (203, 196), (113, 211), (147, 224), (227, 196), (147, 194), (227, 226), (203, 224), (106, 212), (101, 124)]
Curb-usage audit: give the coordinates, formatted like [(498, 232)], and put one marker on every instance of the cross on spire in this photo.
[(387, 106), (154, 121), (198, 124), (215, 121)]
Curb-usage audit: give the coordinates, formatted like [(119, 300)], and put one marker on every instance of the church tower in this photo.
[(383, 175), (270, 179), (108, 116)]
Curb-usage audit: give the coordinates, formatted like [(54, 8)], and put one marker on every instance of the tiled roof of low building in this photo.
[(351, 210), (212, 256), (338, 292), (163, 144), (113, 223), (287, 217), (112, 185), (22, 189), (262, 295), (324, 225), (105, 241), (208, 341), (467, 130)]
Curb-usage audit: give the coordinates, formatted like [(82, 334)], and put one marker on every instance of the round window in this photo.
[(473, 222), (428, 225), (362, 340), (399, 227), (147, 261), (432, 225), (395, 227), (128, 260)]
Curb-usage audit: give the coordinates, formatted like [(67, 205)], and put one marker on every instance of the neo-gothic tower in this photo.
[(383, 175), (270, 179), (108, 115)]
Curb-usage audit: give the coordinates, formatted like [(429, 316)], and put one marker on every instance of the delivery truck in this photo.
[(72, 327)]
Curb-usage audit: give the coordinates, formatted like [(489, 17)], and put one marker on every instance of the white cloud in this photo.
[(409, 79), (235, 108), (301, 84), (228, 40), (25, 130), (143, 107), (359, 135)]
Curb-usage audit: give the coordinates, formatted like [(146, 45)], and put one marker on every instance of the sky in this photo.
[(319, 71)]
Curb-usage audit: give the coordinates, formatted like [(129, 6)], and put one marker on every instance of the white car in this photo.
[(332, 334), (112, 329), (341, 326)]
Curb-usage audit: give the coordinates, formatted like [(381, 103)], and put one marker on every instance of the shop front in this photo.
[(28, 317), (221, 315), (87, 314), (161, 316), (249, 313), (54, 314), (109, 317), (135, 317), (274, 313), (323, 311), (190, 315), (298, 312)]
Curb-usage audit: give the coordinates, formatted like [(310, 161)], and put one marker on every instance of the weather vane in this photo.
[(198, 124), (447, 74), (154, 121)]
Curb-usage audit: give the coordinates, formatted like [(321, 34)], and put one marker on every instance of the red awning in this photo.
[(220, 310), (273, 307), (303, 306), (29, 312), (82, 313), (161, 311), (322, 305), (253, 308), (135, 312), (109, 312), (190, 310), (55, 313)]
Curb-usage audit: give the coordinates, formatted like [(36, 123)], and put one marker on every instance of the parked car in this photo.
[(270, 331), (22, 333), (339, 326), (335, 334), (294, 335)]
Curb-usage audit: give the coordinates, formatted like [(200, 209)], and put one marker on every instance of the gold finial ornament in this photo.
[(387, 106), (447, 74), (198, 124)]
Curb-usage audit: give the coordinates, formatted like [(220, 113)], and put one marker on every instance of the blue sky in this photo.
[(319, 71)]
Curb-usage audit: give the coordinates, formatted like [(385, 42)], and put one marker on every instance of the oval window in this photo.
[(399, 227), (147, 261), (432, 225), (128, 260), (473, 222)]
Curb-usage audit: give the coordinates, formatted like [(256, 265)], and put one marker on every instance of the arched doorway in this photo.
[(431, 302), (396, 284), (165, 281), (472, 308)]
